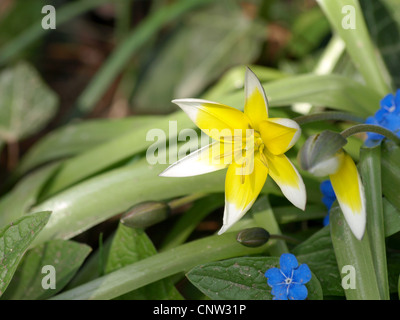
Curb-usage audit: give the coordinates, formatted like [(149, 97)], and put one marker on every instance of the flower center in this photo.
[(259, 146), (288, 281)]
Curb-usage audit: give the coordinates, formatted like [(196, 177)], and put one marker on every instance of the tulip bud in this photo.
[(253, 237), (146, 214), (322, 154)]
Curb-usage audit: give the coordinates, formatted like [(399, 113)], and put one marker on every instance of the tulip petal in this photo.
[(349, 191), (279, 134), (286, 176), (218, 121), (215, 156), (241, 191), (256, 104)]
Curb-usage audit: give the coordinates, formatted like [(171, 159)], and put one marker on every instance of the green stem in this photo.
[(179, 202), (323, 116), (370, 128), (160, 266), (265, 218)]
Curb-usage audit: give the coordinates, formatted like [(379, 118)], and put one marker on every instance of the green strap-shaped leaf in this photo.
[(370, 167), (15, 240), (391, 173), (65, 256), (129, 246), (354, 259), (241, 279), (160, 266)]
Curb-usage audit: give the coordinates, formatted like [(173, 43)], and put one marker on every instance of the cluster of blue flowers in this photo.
[(287, 283), (388, 116)]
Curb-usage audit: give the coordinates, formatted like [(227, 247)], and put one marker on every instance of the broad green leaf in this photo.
[(77, 138), (348, 22), (129, 246), (15, 240), (65, 256), (385, 33), (160, 266), (24, 195), (370, 168), (350, 251), (241, 279), (26, 102)]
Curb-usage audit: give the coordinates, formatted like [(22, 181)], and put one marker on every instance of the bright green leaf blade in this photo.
[(370, 168), (15, 240), (348, 22), (65, 256), (354, 259), (77, 138), (241, 279), (129, 246), (26, 103), (317, 252), (143, 272), (24, 195)]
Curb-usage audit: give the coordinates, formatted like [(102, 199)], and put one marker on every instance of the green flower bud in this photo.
[(146, 214), (253, 237), (322, 154)]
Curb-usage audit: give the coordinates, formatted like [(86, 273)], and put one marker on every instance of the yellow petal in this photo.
[(219, 121), (256, 104), (213, 157), (286, 176), (279, 134), (240, 193), (349, 192)]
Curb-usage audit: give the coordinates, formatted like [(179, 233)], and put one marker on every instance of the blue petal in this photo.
[(327, 201), (280, 292), (325, 222), (302, 274), (274, 276), (327, 189), (371, 143), (297, 292), (397, 101), (288, 262), (388, 101)]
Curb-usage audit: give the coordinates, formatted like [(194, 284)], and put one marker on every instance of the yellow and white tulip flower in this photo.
[(250, 144)]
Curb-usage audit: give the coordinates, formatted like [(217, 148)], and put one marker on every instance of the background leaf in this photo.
[(129, 246), (65, 256), (26, 103), (15, 240)]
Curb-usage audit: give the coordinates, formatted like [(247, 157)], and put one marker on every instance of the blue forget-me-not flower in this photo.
[(288, 282), (388, 116)]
